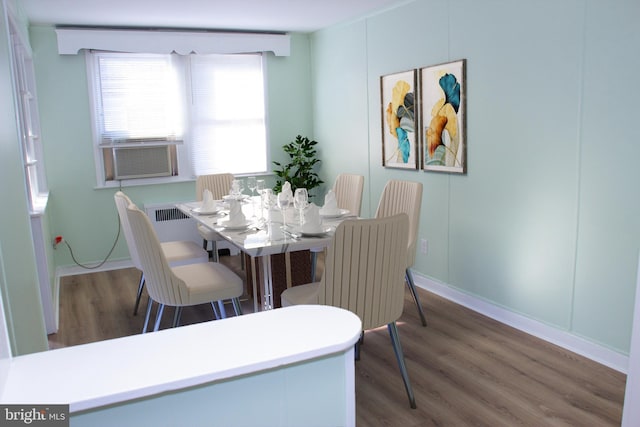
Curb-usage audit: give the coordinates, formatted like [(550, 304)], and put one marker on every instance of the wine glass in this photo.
[(260, 189), (283, 203), (300, 201), (251, 185)]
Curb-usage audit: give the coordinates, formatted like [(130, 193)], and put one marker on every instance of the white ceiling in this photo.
[(257, 15)]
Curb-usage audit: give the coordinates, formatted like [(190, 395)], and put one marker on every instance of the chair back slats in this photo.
[(403, 197), (122, 201), (162, 285), (364, 269), (219, 185), (348, 190)]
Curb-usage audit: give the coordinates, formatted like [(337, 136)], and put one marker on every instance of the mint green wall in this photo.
[(19, 281), (546, 222), (87, 217), (311, 393)]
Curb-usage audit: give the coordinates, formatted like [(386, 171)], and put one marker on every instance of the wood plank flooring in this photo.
[(466, 369)]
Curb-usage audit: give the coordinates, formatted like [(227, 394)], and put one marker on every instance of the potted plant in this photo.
[(300, 169)]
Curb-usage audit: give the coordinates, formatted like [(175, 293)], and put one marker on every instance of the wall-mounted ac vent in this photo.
[(142, 162), (169, 214)]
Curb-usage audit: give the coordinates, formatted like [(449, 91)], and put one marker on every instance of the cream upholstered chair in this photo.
[(185, 285), (405, 196), (176, 252), (219, 185), (364, 273), (348, 190)]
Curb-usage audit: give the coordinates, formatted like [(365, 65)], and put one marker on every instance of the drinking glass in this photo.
[(300, 201), (283, 203), (260, 190), (251, 185), (266, 197)]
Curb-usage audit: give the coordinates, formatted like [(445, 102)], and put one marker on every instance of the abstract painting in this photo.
[(398, 105), (443, 121)]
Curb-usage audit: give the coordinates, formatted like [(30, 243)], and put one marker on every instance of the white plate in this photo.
[(230, 197), (341, 212), (234, 226), (320, 233), (201, 211)]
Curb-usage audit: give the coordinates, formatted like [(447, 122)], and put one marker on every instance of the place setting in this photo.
[(235, 220), (208, 206), (310, 224), (330, 208)]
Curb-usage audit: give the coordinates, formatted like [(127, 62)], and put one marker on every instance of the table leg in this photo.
[(267, 282), (254, 280)]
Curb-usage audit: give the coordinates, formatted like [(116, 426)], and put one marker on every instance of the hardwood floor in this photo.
[(466, 369)]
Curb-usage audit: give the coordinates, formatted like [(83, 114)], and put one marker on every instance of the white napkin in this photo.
[(236, 217), (208, 204), (312, 220), (330, 204), (286, 188)]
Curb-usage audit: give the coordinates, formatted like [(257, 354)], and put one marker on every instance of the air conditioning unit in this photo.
[(142, 162)]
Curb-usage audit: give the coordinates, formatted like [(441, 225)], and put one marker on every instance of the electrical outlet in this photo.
[(424, 246), (57, 240)]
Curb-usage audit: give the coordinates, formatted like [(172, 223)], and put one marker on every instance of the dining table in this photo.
[(266, 231)]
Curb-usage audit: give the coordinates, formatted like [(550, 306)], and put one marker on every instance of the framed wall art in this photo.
[(398, 105), (443, 120)]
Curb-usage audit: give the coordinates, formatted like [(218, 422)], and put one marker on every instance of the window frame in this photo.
[(28, 120), (183, 147)]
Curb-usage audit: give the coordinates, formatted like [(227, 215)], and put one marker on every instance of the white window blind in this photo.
[(228, 117), (215, 104), (138, 99)]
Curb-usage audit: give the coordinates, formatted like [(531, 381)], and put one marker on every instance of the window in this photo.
[(28, 120), (173, 117)]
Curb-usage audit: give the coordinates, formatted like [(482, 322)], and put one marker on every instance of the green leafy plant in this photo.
[(300, 170)]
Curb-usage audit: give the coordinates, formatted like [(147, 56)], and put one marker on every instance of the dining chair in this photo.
[(364, 271), (181, 286), (177, 252), (405, 196), (348, 190), (219, 185)]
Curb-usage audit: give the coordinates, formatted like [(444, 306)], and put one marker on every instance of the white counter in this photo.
[(120, 370)]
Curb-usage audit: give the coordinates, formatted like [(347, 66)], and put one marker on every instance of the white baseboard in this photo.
[(73, 270), (564, 339)]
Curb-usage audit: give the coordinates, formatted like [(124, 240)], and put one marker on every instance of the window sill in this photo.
[(143, 182)]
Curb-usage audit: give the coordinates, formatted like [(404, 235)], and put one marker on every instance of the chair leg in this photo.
[(215, 310), (223, 312), (176, 317), (156, 327), (357, 346), (397, 348), (147, 315), (414, 293), (236, 306), (140, 288), (314, 260), (214, 251)]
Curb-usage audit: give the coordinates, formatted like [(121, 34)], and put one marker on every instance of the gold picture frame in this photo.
[(443, 96), (399, 120)]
